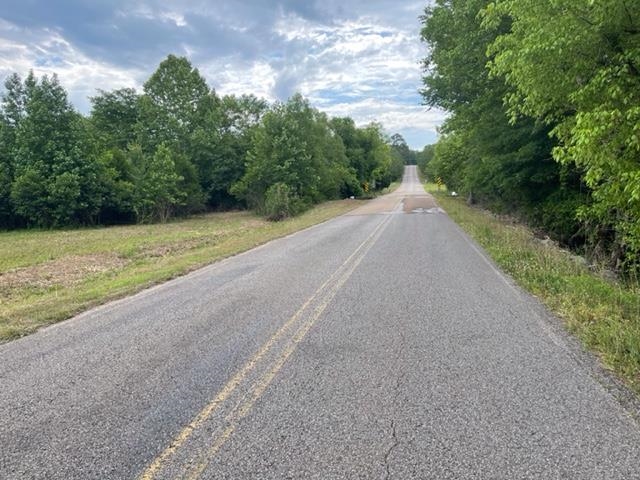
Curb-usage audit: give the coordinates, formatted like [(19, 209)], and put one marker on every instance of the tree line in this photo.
[(175, 149), (544, 102)]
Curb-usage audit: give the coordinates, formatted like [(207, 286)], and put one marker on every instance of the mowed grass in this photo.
[(603, 313), (48, 276)]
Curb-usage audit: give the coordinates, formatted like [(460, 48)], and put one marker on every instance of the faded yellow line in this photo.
[(261, 385), (152, 470)]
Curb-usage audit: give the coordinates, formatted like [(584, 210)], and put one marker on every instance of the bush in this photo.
[(281, 202)]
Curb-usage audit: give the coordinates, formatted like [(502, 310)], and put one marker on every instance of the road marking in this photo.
[(322, 298)]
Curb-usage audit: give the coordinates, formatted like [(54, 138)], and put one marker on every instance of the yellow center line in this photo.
[(331, 286)]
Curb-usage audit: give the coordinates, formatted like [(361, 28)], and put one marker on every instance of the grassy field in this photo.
[(48, 276), (603, 313)]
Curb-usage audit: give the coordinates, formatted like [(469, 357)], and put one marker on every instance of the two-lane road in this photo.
[(381, 344)]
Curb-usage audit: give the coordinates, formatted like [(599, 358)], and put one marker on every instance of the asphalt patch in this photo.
[(419, 204)]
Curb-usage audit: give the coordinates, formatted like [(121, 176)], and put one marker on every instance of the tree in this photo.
[(176, 97), (294, 146), (424, 157), (12, 112), (157, 190), (56, 181), (220, 143), (400, 147), (504, 163), (591, 53), (114, 116)]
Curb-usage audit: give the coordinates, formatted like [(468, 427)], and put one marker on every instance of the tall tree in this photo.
[(175, 99), (176, 105), (11, 114), (294, 146), (114, 116), (503, 163), (56, 181), (400, 147), (157, 184), (575, 65)]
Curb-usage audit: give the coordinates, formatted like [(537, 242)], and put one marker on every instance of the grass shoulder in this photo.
[(48, 276), (603, 313)]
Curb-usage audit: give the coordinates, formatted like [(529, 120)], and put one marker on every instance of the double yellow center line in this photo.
[(196, 445)]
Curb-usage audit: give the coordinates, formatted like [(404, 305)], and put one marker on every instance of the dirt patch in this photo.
[(416, 204), (66, 271), (170, 249)]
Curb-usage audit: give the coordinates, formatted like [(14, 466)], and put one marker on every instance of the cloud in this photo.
[(47, 52), (356, 58)]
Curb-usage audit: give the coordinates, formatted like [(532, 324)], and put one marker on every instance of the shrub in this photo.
[(281, 202)]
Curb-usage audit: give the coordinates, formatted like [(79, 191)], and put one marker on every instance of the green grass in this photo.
[(604, 314), (48, 276)]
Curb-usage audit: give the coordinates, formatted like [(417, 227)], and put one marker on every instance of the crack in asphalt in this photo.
[(395, 443), (399, 381)]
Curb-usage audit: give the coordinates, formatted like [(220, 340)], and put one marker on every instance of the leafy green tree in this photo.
[(175, 99), (51, 148), (575, 65), (370, 157), (11, 114), (179, 112), (219, 144), (355, 149), (400, 147), (294, 145), (157, 184), (118, 181), (503, 162), (424, 157), (114, 116)]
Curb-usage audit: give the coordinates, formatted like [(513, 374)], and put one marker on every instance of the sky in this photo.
[(354, 58)]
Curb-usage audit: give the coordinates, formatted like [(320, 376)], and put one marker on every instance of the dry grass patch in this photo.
[(47, 276), (64, 272)]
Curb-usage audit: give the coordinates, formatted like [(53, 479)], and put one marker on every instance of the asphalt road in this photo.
[(381, 344)]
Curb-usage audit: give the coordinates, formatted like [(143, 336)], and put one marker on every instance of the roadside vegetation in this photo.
[(50, 275), (602, 311), (177, 149), (153, 184), (544, 116)]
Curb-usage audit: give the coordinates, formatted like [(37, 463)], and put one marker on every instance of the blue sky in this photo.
[(349, 57)]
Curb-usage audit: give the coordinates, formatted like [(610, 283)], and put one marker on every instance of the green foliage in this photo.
[(114, 116), (175, 99), (51, 150), (369, 157), (174, 150), (499, 160), (399, 147), (119, 188), (295, 146), (591, 50), (157, 192), (219, 145), (424, 157), (281, 202)]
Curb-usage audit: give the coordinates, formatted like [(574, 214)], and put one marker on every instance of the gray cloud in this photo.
[(347, 57)]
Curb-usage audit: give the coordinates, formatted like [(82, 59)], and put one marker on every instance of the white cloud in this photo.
[(234, 76), (362, 60), (47, 52)]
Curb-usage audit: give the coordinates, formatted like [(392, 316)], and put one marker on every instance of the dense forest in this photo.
[(544, 102), (176, 149)]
